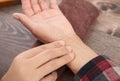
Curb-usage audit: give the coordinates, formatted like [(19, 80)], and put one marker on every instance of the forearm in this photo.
[(83, 54)]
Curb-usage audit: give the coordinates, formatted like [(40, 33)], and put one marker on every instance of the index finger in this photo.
[(27, 8), (33, 52)]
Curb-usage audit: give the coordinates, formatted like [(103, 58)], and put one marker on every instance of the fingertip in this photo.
[(15, 16), (55, 75)]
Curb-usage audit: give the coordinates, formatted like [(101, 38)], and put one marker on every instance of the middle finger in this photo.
[(35, 6)]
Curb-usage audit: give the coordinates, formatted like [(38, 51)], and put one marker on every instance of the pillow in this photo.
[(81, 15)]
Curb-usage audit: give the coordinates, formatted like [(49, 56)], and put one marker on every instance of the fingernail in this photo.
[(69, 49), (71, 55), (62, 43)]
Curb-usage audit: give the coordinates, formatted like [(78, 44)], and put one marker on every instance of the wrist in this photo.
[(3, 78), (83, 54)]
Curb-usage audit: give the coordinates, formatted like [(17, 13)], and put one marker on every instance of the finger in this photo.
[(33, 52), (27, 22), (51, 77), (27, 9), (54, 65), (24, 20), (35, 6), (43, 4), (53, 4), (48, 55)]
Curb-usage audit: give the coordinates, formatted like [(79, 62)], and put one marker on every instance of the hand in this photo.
[(49, 24), (46, 23), (35, 64)]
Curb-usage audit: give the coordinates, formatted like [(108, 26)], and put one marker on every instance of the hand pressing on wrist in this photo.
[(46, 22), (36, 63), (49, 24)]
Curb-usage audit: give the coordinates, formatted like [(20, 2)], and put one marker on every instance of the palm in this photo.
[(43, 17), (46, 23)]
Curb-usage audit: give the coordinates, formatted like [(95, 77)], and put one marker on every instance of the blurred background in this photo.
[(9, 2)]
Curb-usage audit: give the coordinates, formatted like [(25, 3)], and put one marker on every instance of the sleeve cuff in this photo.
[(95, 67)]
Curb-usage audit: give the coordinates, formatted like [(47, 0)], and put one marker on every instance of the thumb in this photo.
[(51, 77), (24, 20)]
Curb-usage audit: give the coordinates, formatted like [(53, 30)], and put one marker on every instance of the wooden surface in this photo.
[(14, 37)]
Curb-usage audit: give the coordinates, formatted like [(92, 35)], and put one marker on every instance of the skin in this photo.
[(37, 20), (36, 63), (48, 24)]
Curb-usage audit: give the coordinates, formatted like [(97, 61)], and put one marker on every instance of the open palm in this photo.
[(47, 23)]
